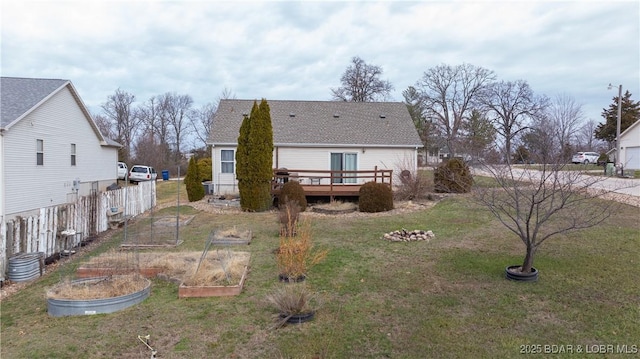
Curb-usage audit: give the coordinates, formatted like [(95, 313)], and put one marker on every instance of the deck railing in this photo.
[(330, 178)]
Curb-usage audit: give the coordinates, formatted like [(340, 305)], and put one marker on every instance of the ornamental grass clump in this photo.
[(296, 254), (295, 303), (292, 299), (288, 215)]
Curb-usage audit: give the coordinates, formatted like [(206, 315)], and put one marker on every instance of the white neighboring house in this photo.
[(629, 147), (51, 150), (319, 135)]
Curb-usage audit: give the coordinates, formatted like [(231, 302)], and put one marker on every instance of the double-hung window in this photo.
[(227, 161), (40, 152), (73, 154)]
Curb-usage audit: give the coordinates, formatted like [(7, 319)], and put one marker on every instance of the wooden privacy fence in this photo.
[(58, 228)]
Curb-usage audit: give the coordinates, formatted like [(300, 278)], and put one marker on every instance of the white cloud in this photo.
[(299, 50)]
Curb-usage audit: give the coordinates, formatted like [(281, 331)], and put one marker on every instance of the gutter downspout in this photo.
[(3, 224)]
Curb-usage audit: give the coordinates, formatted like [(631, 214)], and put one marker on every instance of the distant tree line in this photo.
[(464, 110), (159, 131), (460, 110)]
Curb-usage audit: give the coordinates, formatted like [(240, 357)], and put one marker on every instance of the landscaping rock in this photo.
[(409, 236)]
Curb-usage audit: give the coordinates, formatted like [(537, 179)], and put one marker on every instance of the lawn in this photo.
[(446, 298)]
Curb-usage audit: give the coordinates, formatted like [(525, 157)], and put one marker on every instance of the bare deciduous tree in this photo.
[(449, 94), (173, 110), (540, 204), (119, 111), (202, 118), (566, 115), (585, 136), (362, 83), (512, 105), (104, 125)]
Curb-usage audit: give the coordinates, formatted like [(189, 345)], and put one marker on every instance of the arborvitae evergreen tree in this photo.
[(254, 159), (193, 181), (204, 166), (262, 152)]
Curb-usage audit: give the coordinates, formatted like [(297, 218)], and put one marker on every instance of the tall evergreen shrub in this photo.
[(193, 181), (254, 159)]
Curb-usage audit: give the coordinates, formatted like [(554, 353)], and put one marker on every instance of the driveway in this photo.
[(625, 190)]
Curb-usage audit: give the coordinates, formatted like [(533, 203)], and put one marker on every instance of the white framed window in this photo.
[(73, 154), (227, 161), (40, 152)]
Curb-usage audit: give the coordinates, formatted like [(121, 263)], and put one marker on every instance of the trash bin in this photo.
[(165, 175), (611, 169), (208, 187)]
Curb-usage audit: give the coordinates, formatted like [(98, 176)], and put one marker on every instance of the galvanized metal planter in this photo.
[(26, 266), (71, 307)]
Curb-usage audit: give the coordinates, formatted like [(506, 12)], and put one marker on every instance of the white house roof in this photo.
[(322, 123), (628, 129), (624, 134), (20, 96)]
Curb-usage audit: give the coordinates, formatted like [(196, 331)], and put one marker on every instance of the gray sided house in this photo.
[(320, 135), (51, 150)]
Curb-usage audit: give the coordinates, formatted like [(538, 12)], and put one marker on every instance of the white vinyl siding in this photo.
[(58, 121), (319, 158)]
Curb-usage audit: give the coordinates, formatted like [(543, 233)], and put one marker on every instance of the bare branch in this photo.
[(543, 202)]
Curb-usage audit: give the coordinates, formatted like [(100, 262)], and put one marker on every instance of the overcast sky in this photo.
[(298, 50)]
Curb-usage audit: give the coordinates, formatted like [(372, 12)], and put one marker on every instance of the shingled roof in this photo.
[(322, 123), (20, 95)]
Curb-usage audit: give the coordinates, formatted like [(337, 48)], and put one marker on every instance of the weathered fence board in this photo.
[(58, 228)]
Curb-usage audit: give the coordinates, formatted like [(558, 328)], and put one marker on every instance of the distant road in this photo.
[(627, 188)]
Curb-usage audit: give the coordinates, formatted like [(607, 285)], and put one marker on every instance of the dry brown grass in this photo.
[(218, 267), (297, 254), (108, 287), (233, 233), (338, 206), (288, 215), (226, 268)]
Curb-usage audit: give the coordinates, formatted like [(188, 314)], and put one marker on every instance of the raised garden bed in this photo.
[(100, 295), (231, 236), (220, 272), (191, 291)]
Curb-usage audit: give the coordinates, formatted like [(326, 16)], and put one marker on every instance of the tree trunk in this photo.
[(528, 260)]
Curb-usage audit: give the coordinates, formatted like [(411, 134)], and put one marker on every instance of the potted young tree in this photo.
[(540, 203)]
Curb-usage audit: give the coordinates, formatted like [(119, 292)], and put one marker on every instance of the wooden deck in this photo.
[(318, 183)]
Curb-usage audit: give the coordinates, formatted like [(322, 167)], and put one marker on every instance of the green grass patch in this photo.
[(446, 298)]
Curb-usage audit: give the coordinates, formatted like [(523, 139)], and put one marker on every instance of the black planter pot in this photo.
[(285, 278), (298, 318), (513, 273)]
